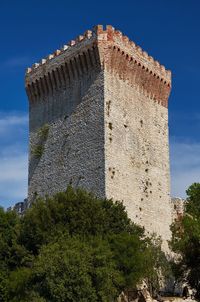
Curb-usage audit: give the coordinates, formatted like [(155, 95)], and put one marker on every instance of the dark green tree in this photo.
[(79, 212), (186, 240), (69, 270), (12, 254), (74, 247)]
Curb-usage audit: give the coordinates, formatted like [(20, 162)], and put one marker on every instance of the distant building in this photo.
[(19, 207), (178, 207)]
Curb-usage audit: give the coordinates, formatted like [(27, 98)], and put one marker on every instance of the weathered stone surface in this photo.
[(74, 150), (137, 155), (178, 205)]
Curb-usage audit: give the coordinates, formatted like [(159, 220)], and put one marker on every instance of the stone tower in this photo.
[(99, 120)]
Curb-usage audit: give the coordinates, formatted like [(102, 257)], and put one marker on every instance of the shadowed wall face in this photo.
[(72, 114)]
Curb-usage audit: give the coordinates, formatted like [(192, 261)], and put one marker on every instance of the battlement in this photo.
[(105, 48), (68, 50), (132, 51)]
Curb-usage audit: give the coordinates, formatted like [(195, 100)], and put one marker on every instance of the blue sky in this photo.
[(169, 30)]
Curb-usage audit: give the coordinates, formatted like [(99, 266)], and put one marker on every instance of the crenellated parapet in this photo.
[(99, 48), (63, 66), (132, 64), (132, 50)]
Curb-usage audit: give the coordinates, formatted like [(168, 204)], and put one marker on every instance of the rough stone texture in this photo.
[(178, 207), (105, 101), (137, 155), (74, 150)]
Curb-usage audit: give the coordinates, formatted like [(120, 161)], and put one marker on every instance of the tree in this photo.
[(75, 247), (186, 239), (69, 270), (140, 259), (79, 212), (12, 254)]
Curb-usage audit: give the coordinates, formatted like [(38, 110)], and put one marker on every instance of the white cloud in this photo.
[(13, 158), (13, 167), (185, 166), (13, 179), (12, 122)]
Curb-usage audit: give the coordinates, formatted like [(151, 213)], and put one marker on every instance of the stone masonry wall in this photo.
[(137, 155), (74, 149), (136, 134)]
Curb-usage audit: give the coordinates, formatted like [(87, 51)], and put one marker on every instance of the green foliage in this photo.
[(186, 240), (157, 267), (37, 151), (77, 271), (12, 254), (81, 214), (74, 247), (140, 259), (43, 132), (3, 285), (42, 135), (193, 200)]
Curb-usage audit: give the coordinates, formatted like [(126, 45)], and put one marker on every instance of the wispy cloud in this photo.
[(12, 122), (15, 64), (16, 61), (185, 165), (13, 119), (184, 116), (13, 179), (13, 157)]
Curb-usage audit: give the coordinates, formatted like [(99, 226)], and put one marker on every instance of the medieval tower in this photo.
[(99, 120)]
